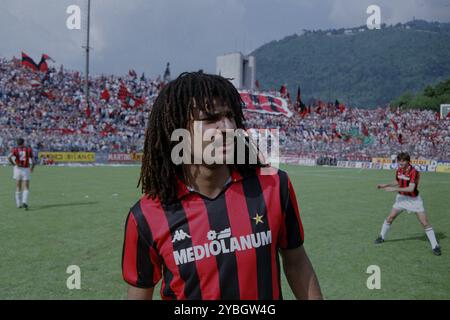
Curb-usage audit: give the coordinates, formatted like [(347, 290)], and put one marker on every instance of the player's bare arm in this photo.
[(300, 274), (409, 188), (11, 160), (387, 185), (135, 293)]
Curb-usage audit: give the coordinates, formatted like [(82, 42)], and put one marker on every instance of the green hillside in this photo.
[(430, 98), (360, 67)]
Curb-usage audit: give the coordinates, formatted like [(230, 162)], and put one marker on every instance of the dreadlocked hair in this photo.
[(173, 109)]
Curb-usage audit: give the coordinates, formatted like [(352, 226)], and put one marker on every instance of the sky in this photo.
[(146, 34)]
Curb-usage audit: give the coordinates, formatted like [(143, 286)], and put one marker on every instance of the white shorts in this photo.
[(410, 204), (21, 173)]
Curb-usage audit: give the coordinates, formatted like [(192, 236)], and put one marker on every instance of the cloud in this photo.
[(346, 13), (144, 35)]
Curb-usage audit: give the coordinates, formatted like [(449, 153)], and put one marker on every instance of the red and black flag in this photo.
[(48, 94), (319, 107), (127, 98), (43, 66), (88, 111), (283, 91), (365, 130), (105, 95), (123, 93), (299, 98), (132, 73), (28, 62), (395, 124), (300, 106), (264, 103)]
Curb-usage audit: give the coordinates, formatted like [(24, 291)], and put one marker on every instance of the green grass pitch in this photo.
[(77, 216)]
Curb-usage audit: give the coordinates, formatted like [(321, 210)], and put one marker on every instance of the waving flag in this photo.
[(365, 130), (105, 95), (395, 124), (283, 90), (264, 103), (28, 62), (298, 101), (127, 98), (43, 66)]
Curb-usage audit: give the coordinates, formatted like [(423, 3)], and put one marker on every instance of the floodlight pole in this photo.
[(86, 80)]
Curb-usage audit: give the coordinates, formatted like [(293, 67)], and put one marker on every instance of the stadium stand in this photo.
[(48, 109)]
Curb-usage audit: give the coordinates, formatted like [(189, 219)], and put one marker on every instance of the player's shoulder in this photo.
[(272, 174), (413, 170), (145, 206)]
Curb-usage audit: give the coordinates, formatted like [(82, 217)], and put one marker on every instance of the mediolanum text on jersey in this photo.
[(216, 247)]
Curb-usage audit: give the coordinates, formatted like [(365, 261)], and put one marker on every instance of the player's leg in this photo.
[(387, 224), (422, 217), (19, 193), (26, 192)]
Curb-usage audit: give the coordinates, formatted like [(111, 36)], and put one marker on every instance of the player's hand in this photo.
[(390, 189), (381, 186)]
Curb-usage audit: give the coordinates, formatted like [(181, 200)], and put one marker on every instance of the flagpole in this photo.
[(86, 81)]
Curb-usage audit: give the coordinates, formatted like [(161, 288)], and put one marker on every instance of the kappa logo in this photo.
[(180, 235)]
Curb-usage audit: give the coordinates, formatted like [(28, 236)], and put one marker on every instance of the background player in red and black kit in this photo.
[(211, 231), (23, 167), (408, 199)]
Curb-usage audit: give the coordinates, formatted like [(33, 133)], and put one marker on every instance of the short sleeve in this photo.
[(141, 264), (414, 178), (291, 231)]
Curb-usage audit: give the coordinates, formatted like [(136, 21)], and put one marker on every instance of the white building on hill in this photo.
[(239, 67)]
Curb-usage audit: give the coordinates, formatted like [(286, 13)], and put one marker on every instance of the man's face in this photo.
[(403, 164), (213, 127)]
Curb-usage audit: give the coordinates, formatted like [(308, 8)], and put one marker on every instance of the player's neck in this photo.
[(207, 180)]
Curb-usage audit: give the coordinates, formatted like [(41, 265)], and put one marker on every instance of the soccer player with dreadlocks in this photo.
[(211, 230)]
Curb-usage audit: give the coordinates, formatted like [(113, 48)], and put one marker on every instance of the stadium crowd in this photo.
[(360, 134), (49, 110)]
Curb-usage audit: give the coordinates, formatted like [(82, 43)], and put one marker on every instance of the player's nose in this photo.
[(225, 124)]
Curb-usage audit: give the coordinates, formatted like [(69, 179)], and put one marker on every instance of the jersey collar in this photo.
[(184, 190)]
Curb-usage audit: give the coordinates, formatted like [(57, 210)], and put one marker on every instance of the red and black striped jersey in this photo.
[(221, 248), (23, 156), (407, 176)]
